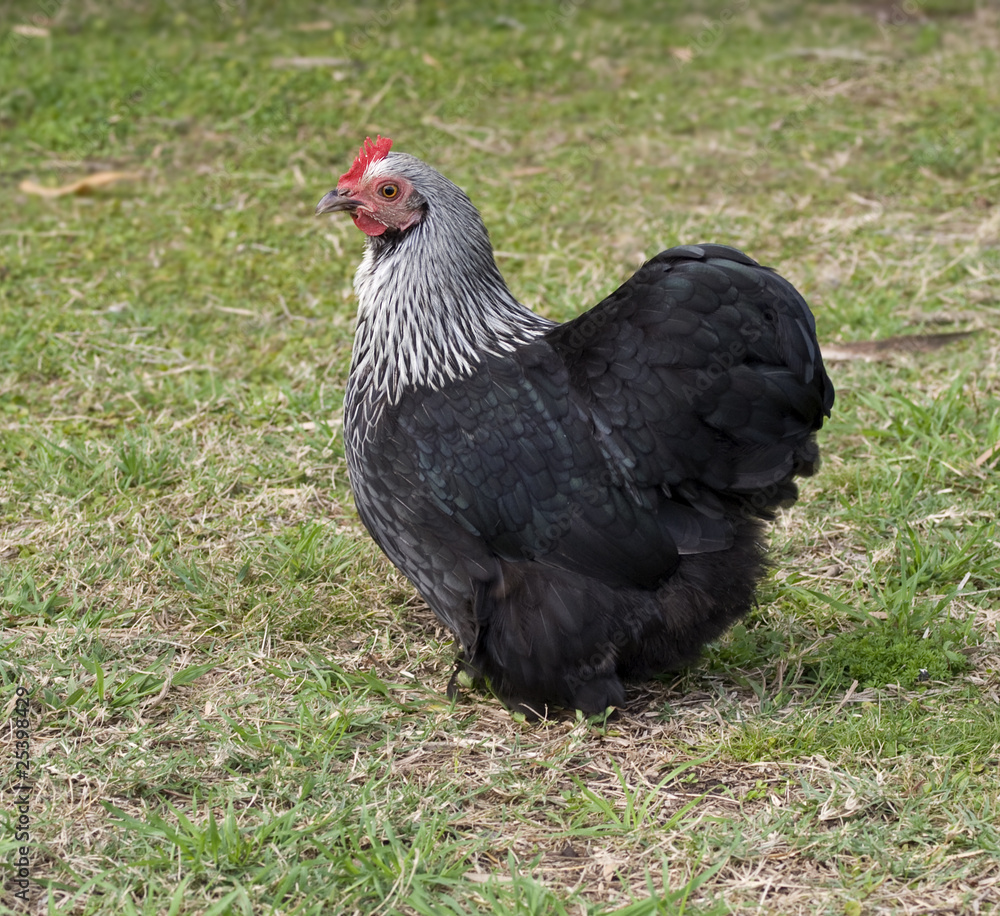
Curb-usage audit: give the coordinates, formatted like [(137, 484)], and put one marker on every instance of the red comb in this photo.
[(369, 153)]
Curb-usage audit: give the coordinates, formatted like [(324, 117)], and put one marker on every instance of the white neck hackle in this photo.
[(431, 300)]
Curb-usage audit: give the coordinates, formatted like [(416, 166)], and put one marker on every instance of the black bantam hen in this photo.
[(582, 504)]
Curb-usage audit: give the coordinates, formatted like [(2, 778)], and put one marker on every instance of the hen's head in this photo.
[(376, 191)]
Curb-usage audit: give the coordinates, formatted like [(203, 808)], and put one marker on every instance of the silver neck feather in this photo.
[(431, 300)]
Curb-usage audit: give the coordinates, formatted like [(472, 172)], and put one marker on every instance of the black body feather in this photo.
[(583, 506)]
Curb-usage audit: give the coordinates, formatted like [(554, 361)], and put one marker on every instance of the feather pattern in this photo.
[(582, 504)]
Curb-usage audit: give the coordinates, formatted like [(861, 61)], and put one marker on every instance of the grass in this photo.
[(236, 704)]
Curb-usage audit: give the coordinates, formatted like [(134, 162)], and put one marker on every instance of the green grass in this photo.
[(238, 706)]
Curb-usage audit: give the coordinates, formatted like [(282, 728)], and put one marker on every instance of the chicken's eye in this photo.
[(389, 191)]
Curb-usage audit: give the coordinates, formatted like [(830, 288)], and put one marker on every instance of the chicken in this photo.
[(581, 504)]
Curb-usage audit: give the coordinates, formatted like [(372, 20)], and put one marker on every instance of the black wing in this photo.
[(703, 367)]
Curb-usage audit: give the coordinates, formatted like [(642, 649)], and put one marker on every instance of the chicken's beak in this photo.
[(337, 200)]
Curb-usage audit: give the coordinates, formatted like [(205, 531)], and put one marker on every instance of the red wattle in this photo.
[(366, 224)]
